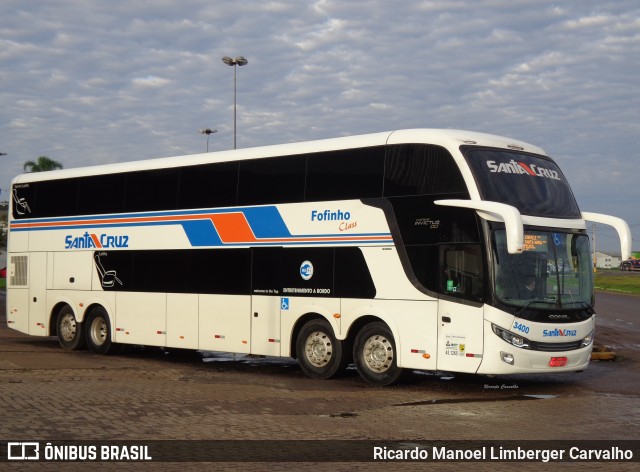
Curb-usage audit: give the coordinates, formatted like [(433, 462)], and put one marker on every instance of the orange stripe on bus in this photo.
[(233, 227)]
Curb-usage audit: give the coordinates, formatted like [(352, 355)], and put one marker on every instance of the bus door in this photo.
[(460, 313)]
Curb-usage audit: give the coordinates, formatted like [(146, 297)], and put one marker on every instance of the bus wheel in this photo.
[(70, 335), (374, 354), (319, 353), (98, 332)]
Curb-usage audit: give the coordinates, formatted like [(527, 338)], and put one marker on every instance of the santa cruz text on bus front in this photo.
[(515, 167), (559, 332)]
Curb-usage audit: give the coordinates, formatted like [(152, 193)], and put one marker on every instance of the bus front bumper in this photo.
[(501, 357)]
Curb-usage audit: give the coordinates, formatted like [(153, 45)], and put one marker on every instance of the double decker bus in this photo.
[(415, 249)]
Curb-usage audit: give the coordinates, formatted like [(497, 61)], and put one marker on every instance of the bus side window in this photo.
[(462, 271)]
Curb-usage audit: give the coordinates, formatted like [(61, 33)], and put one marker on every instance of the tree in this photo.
[(3, 225), (42, 164)]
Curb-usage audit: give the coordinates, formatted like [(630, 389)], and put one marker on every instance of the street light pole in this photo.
[(238, 61), (208, 132)]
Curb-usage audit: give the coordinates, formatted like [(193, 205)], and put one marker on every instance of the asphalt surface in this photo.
[(153, 394)]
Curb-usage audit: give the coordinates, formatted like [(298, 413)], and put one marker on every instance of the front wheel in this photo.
[(320, 354), (98, 332), (70, 335), (374, 354)]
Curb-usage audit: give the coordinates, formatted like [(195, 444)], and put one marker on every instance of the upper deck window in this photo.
[(533, 184)]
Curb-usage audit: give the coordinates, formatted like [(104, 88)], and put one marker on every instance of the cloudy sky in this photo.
[(86, 82)]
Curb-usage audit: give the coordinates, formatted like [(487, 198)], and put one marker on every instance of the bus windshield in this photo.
[(531, 183), (553, 272)]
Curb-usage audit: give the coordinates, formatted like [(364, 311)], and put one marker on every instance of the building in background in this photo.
[(606, 261)]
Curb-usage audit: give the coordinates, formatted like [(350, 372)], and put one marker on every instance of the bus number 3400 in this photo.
[(520, 327)]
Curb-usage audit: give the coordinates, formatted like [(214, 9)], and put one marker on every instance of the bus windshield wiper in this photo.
[(584, 304), (536, 300)]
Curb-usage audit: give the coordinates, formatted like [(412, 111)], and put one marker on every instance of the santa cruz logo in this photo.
[(558, 332), (90, 240), (515, 167)]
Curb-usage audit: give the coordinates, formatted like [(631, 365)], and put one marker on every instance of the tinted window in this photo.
[(53, 197), (349, 174), (273, 180), (307, 272), (224, 271), (462, 271), (533, 184), (419, 169), (423, 259), (265, 271), (101, 194), (152, 190), (352, 276), (210, 185), (420, 221)]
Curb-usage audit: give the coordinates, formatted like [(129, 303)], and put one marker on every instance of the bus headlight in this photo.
[(588, 340), (511, 338)]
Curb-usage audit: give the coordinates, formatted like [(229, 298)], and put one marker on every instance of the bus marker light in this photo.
[(426, 356), (337, 315), (181, 337), (558, 362)]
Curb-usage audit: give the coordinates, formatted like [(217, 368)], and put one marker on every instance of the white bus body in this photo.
[(402, 250)]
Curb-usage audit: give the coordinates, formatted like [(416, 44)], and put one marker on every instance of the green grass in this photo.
[(614, 281)]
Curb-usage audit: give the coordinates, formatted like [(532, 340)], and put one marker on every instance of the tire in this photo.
[(98, 332), (69, 330), (374, 354), (319, 353)]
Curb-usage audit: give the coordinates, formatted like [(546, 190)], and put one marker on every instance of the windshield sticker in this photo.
[(515, 167)]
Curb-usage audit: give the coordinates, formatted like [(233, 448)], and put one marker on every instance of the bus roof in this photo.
[(448, 138)]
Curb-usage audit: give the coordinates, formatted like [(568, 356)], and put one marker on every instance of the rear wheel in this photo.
[(70, 335), (374, 354), (320, 354), (98, 332)]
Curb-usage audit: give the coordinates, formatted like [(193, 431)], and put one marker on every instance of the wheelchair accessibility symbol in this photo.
[(284, 303)]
